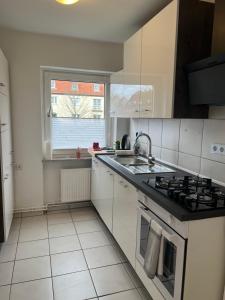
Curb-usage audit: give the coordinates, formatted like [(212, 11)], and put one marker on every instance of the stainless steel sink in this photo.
[(131, 160), (140, 165)]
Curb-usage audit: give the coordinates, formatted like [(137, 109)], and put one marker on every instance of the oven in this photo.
[(161, 252)]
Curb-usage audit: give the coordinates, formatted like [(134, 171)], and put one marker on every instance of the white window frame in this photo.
[(53, 84), (75, 76)]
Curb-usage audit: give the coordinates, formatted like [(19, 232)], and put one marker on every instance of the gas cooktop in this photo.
[(191, 192)]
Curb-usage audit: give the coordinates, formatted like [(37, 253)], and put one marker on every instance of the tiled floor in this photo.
[(66, 255)]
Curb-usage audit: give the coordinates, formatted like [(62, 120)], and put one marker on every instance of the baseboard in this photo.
[(50, 207)]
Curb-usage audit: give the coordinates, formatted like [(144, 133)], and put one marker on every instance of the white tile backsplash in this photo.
[(155, 131), (170, 134), (187, 143), (191, 132), (214, 133), (156, 152), (189, 162), (213, 169), (169, 156)]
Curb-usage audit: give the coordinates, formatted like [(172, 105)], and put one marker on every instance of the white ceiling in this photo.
[(103, 20)]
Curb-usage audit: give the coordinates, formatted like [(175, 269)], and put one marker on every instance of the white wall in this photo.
[(186, 143), (26, 52)]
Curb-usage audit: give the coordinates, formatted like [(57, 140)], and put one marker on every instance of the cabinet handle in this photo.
[(3, 124), (125, 186), (147, 110), (2, 84), (6, 177), (136, 111), (111, 174), (121, 182)]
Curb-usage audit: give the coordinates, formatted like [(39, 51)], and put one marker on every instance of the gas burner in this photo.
[(191, 192)]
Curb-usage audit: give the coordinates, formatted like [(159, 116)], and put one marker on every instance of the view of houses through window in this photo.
[(78, 114)]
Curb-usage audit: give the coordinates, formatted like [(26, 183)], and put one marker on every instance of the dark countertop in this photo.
[(175, 209)]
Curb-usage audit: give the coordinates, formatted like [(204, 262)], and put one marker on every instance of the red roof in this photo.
[(78, 88)]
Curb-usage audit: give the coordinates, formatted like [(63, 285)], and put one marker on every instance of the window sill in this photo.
[(66, 159)]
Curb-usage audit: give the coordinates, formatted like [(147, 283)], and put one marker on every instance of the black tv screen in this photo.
[(206, 81)]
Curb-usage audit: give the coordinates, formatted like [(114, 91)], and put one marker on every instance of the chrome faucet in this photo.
[(137, 148)]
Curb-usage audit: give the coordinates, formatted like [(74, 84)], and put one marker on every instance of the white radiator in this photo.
[(75, 185)]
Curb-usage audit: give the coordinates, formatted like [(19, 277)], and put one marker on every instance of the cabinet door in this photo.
[(158, 63), (6, 163), (107, 196), (102, 191), (125, 217), (117, 93), (132, 74), (4, 75)]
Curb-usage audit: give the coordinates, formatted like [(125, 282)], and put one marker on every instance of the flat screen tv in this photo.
[(206, 80)]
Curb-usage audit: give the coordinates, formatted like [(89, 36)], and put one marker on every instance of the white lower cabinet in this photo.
[(102, 191), (125, 217), (116, 202)]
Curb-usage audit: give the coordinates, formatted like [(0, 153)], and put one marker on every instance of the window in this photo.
[(53, 85), (97, 116), (75, 100), (96, 87), (73, 121), (74, 86), (77, 116), (97, 104), (54, 99)]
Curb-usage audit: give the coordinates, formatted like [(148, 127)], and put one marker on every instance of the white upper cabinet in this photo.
[(125, 84), (132, 70), (117, 103), (4, 75), (158, 64), (144, 88)]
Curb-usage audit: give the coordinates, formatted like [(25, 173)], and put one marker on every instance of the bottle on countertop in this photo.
[(78, 153)]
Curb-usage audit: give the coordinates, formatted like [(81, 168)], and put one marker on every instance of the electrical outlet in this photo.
[(218, 149)]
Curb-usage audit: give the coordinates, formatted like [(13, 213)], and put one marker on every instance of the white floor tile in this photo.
[(76, 286), (61, 230), (135, 279), (7, 252), (31, 269), (127, 295), (13, 236), (60, 218), (84, 214), (94, 239), (32, 234), (112, 279), (4, 292), (32, 249), (64, 244), (102, 256), (88, 226), (35, 290), (6, 270), (33, 221), (69, 262)]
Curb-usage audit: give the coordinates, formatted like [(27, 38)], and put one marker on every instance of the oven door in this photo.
[(170, 259)]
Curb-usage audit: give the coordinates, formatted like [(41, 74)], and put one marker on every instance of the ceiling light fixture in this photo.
[(67, 2)]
